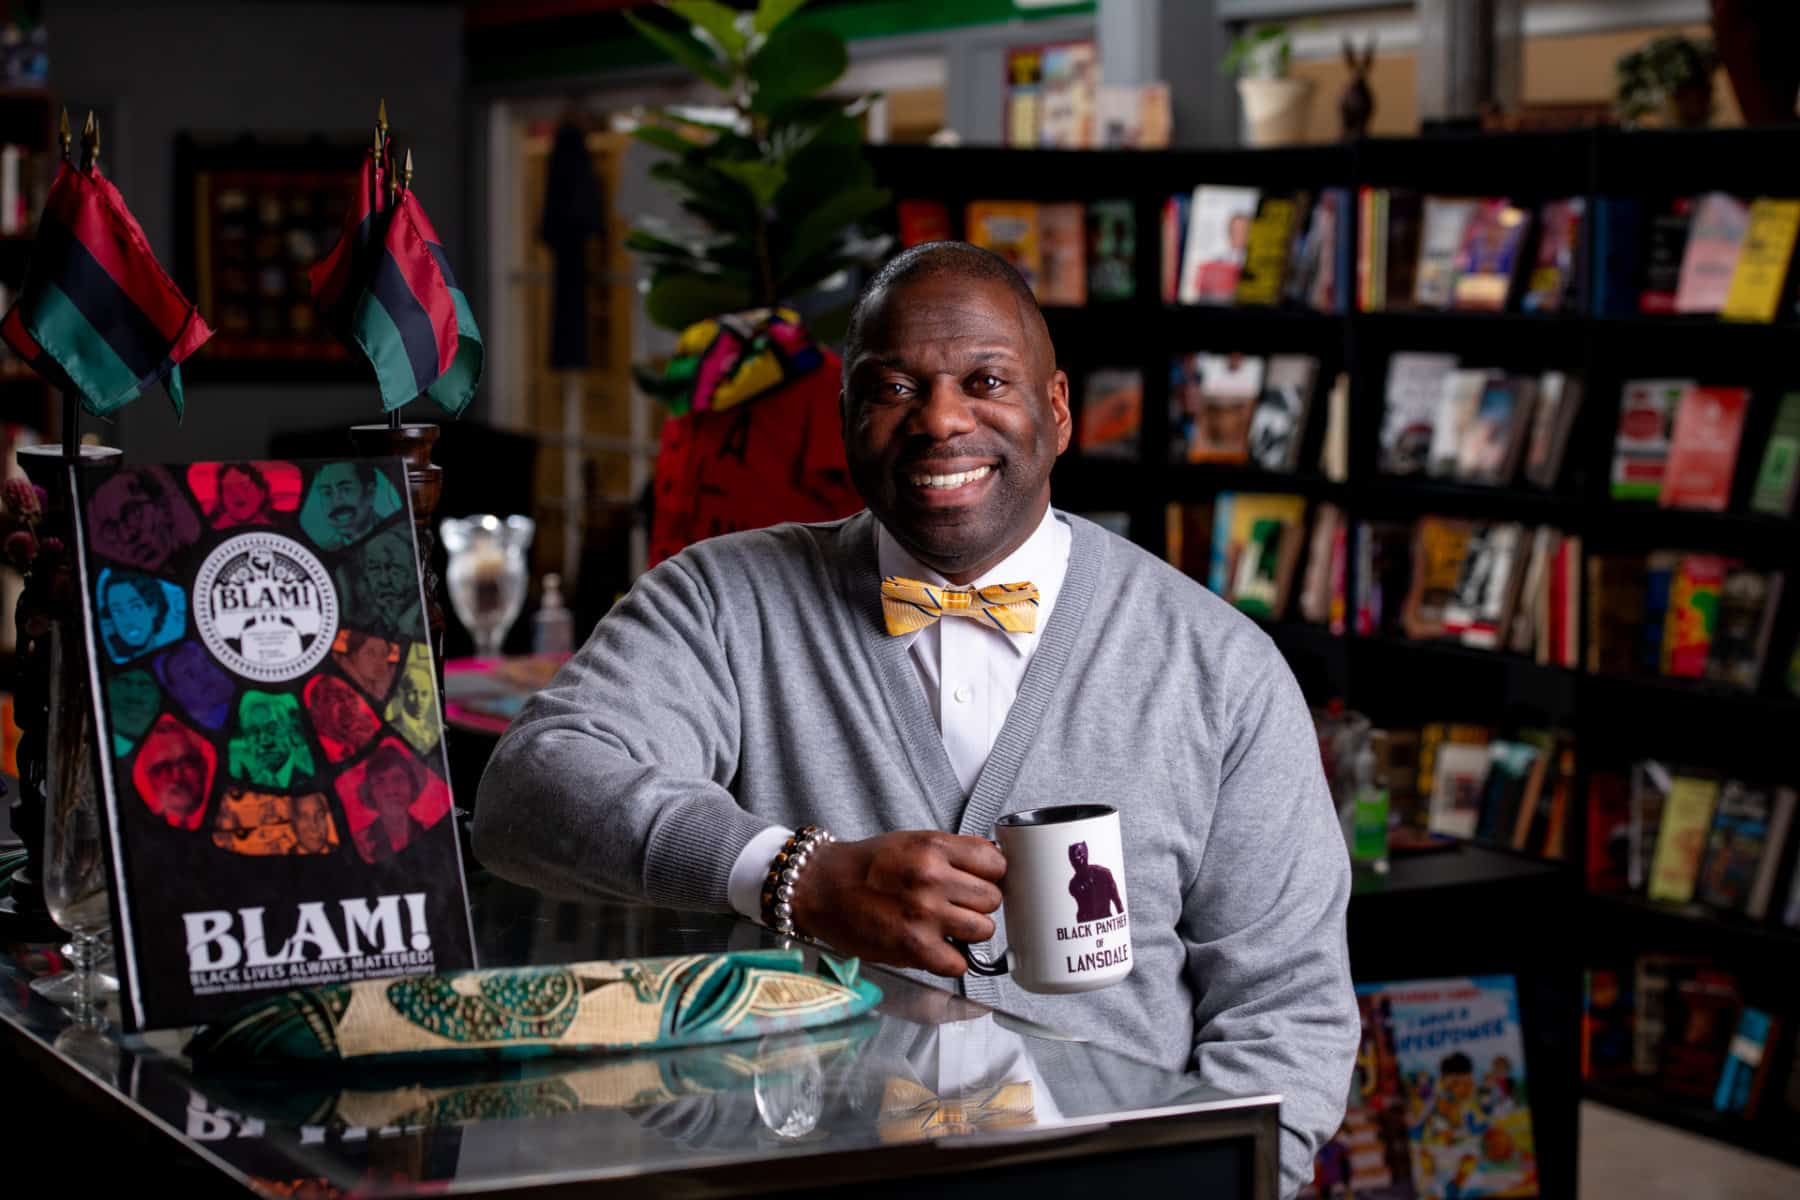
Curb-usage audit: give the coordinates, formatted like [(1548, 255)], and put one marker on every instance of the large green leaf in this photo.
[(718, 22), (678, 300), (822, 226), (762, 179), (663, 138), (723, 199), (816, 174), (794, 63), (770, 13), (684, 50)]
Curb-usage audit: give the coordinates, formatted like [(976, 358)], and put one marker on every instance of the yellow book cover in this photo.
[(1762, 265), (1265, 260), (1686, 818), (1010, 229)]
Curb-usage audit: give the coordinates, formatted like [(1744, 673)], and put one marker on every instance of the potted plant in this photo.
[(1276, 107), (777, 195), (1671, 75)]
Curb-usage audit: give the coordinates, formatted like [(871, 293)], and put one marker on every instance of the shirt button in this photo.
[(962, 693)]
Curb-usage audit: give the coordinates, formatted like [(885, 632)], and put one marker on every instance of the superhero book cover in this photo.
[(274, 788)]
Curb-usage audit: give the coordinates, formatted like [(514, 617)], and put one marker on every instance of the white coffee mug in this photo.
[(1067, 925)]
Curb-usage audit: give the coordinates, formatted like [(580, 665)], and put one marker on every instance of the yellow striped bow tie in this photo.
[(908, 605)]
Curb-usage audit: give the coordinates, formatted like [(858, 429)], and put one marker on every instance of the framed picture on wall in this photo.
[(251, 215)]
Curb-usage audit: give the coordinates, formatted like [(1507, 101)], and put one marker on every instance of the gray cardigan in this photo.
[(749, 680)]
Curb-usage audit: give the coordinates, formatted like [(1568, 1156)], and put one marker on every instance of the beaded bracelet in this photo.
[(784, 869)]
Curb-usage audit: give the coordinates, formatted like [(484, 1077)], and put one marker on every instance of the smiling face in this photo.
[(134, 618), (312, 823), (954, 413)]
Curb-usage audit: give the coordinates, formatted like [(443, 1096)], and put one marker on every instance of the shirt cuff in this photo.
[(744, 889)]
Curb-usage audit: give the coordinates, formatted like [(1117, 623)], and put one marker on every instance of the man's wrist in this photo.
[(785, 870)]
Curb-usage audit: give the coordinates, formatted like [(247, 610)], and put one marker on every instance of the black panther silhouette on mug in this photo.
[(1096, 895)]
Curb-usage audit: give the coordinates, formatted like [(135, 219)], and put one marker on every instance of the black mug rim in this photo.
[(1056, 814)]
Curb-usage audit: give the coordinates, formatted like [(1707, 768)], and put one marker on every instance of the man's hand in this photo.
[(894, 898)]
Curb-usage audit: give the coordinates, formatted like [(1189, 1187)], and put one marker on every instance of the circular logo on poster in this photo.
[(265, 607)]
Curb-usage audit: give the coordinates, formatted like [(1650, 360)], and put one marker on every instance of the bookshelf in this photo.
[(1398, 682)]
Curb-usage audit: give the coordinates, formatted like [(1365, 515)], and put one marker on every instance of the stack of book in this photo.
[(1678, 442), (1242, 246), (1680, 1023), (1070, 254), (1481, 253), (1240, 409), (1680, 615), (1475, 424), (1709, 255), (1515, 791), (1489, 585), (1688, 836)]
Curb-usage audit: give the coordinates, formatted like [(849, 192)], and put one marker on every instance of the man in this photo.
[(314, 832), (271, 750), (389, 786), (382, 585), (344, 494), (750, 685), (1096, 892), (173, 773), (413, 710)]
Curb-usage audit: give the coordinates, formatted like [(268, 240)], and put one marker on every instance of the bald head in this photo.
[(934, 260)]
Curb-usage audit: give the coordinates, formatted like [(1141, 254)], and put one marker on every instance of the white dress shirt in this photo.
[(970, 672)]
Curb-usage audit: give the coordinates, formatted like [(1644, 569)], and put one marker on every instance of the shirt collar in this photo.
[(1037, 560)]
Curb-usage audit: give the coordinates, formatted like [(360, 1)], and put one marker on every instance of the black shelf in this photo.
[(1694, 924), (1643, 1099)]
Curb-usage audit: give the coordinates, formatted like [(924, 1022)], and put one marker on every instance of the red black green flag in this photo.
[(388, 285), (98, 316)]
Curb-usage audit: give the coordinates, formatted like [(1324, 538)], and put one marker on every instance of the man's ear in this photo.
[(1059, 409)]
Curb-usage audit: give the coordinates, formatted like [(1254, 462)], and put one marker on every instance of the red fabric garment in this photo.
[(778, 458)]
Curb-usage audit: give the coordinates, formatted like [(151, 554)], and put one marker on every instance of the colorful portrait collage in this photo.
[(267, 683)]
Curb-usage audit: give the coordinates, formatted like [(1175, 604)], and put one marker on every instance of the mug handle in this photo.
[(980, 966)]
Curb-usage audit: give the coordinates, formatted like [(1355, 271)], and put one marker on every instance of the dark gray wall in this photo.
[(165, 68)]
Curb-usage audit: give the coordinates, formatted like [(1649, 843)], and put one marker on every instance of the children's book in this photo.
[(1010, 229), (1488, 259), (1693, 614), (271, 769)]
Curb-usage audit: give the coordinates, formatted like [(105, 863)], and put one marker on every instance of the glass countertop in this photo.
[(928, 1071)]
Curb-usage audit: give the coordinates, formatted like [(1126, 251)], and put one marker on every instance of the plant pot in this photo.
[(1276, 111), (1688, 106)]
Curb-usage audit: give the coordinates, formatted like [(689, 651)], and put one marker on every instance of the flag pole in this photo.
[(405, 186), (90, 157)]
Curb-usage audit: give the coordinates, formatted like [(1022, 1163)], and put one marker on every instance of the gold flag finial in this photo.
[(406, 172), (381, 125), (63, 134), (90, 142)]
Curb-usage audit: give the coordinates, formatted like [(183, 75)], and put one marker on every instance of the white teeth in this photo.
[(951, 481)]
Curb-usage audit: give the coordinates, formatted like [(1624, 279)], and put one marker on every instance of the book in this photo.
[(1229, 387), (1460, 773), (1112, 408), (1659, 578), (1402, 214), (1777, 476), (1334, 447), (1615, 613), (1133, 116), (1510, 768), (1443, 225), (1606, 1024), (1495, 439), (1618, 246), (1552, 422), (1062, 254), (1415, 384), (1693, 615), (1332, 247), (1456, 406), (1010, 229), (1561, 785), (1316, 584), (1562, 610), (1665, 236), (1749, 1056), (1641, 451), (1278, 421), (1070, 79), (1296, 273), (1439, 546), (1371, 249), (1715, 237), (1703, 448), (1187, 538), (922, 221), (1173, 241), (1383, 557), (1650, 785), (1681, 837), (1111, 250), (1743, 622), (1768, 867), (1488, 259), (1653, 984), (1218, 237), (1486, 589), (275, 816), (1550, 285), (1702, 1013), (1024, 95), (1459, 1054), (1607, 861), (1248, 560), (1266, 252), (1529, 616), (1734, 845), (1760, 279)]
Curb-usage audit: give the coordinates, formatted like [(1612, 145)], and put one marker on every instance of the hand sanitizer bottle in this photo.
[(553, 629)]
